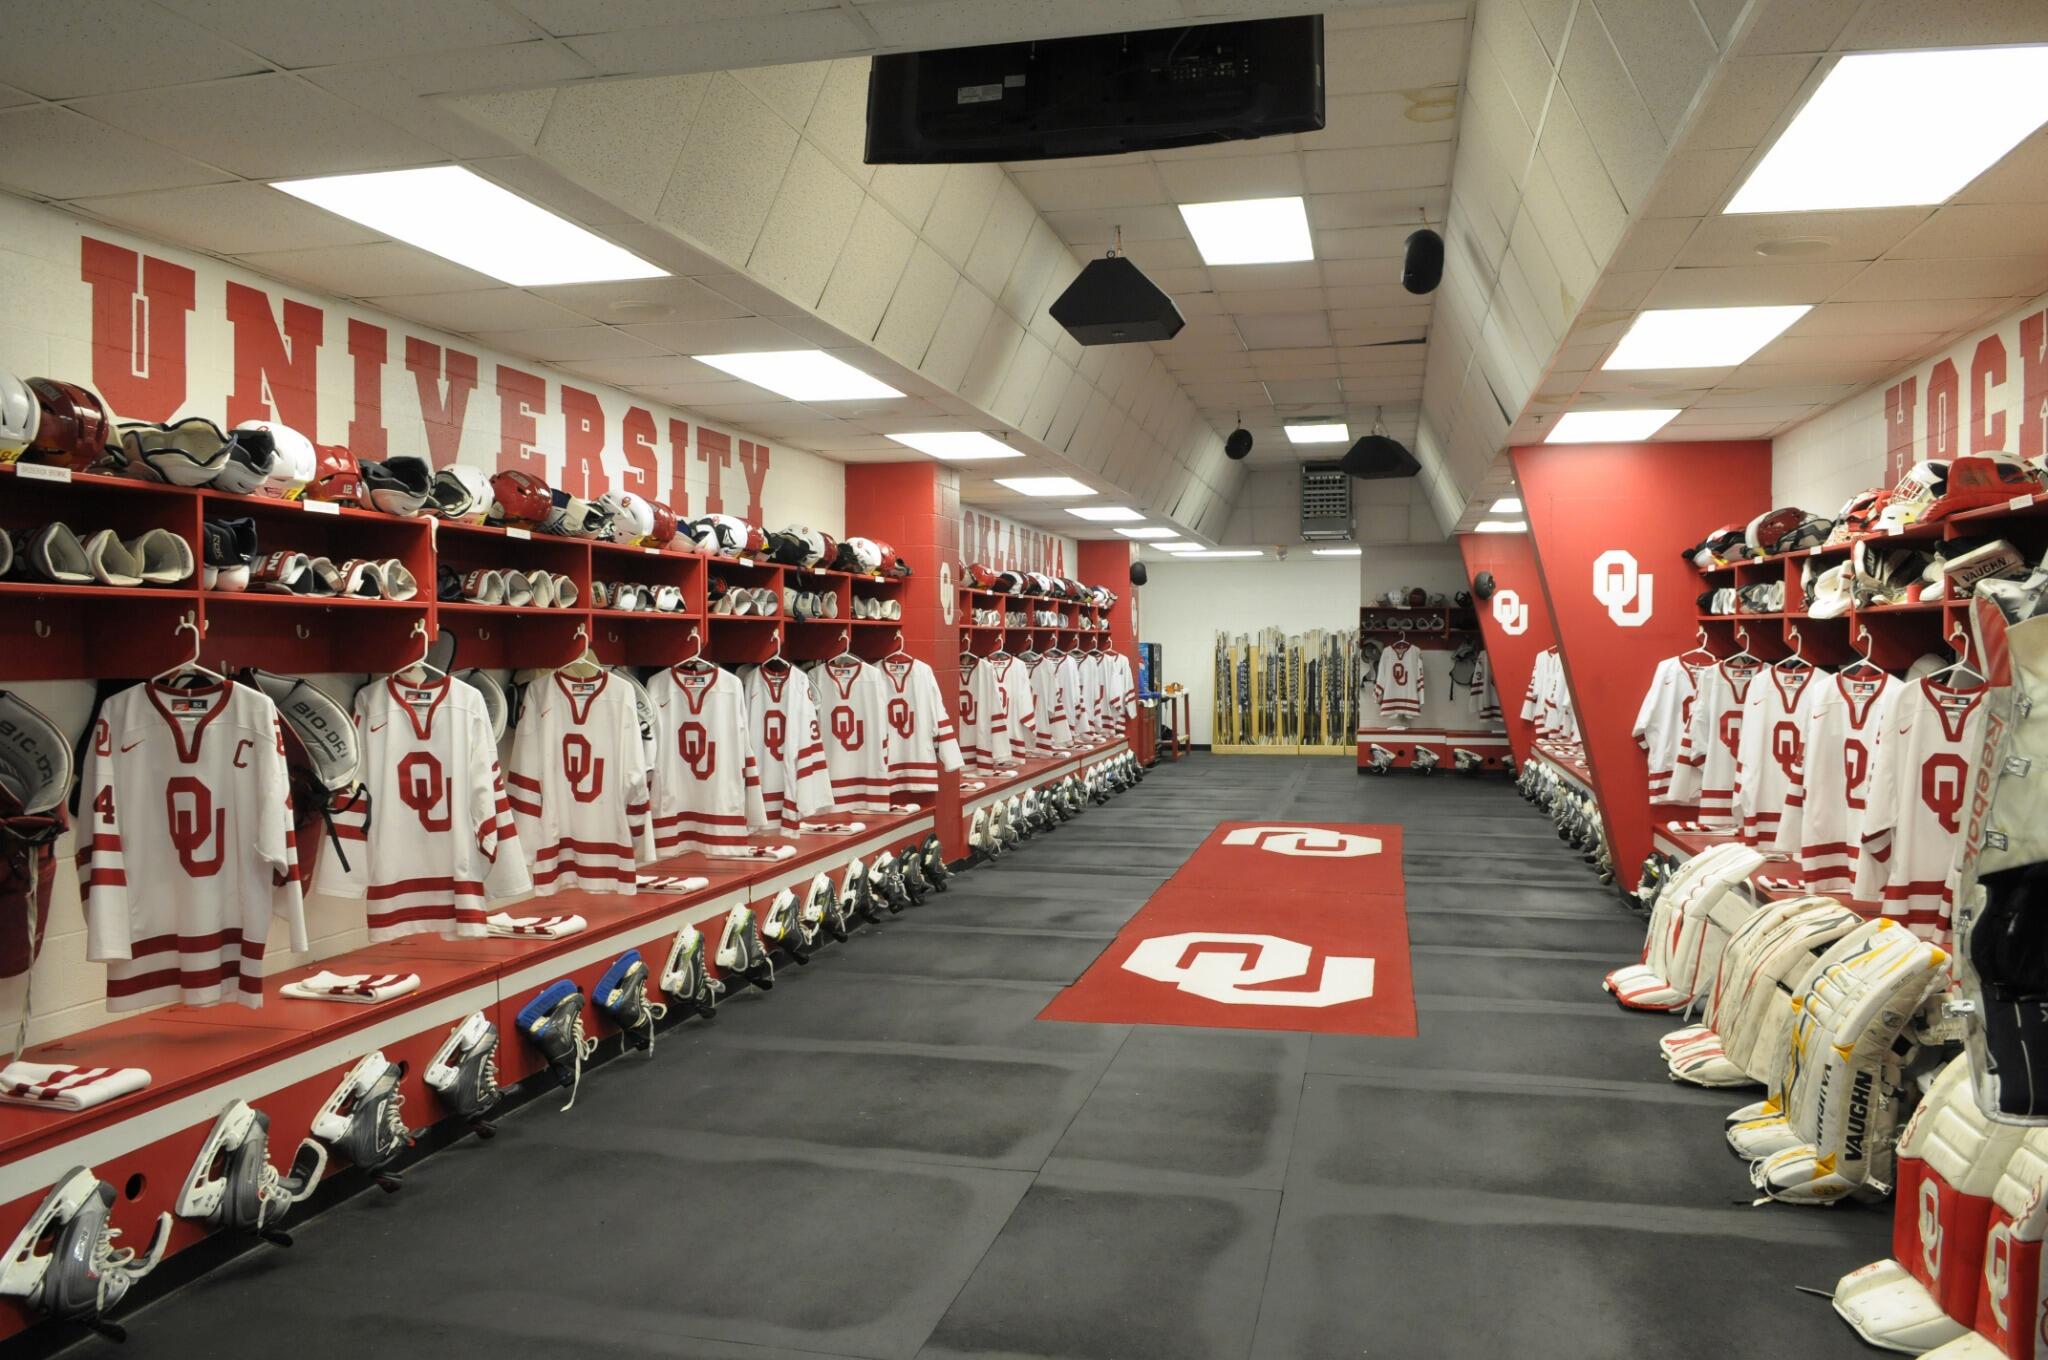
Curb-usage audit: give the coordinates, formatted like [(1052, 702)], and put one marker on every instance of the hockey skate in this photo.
[(621, 997), (64, 1262), (740, 952), (935, 867), (362, 1119), (685, 980), (1378, 760), (1011, 828), (887, 878), (910, 869), (822, 910), (977, 832), (1424, 760), (1467, 762), (232, 1184), (782, 925), (553, 1023), (464, 1070)]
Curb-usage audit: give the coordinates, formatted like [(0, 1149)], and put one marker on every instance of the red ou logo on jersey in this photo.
[(423, 787), (693, 743), (1731, 729), (774, 727), (1400, 673), (901, 718), (1941, 788), (1787, 749), (966, 707), (194, 823), (584, 772), (1855, 769), (850, 732)]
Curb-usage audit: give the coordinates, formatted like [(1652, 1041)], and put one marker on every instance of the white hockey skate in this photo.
[(232, 1184), (464, 1071), (740, 955), (782, 926), (362, 1120), (64, 1262), (685, 980)]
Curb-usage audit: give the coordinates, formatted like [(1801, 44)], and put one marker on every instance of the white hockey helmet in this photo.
[(296, 461), (632, 515), (1916, 492), (20, 417), (400, 485), (860, 555), (574, 517), (462, 491), (813, 541)]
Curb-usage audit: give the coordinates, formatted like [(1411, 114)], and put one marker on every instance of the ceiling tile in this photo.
[(644, 300), (2021, 177), (1971, 229), (952, 23), (263, 126), (516, 115), (56, 153), (1620, 124), (1284, 330), (864, 277), (961, 208), (807, 226), (1652, 243), (1811, 26), (1003, 232), (695, 394), (1386, 118), (496, 309), (790, 88), (380, 267), (1665, 49), (9, 96), (1751, 95), (1378, 208), (364, 30), (1894, 25), (1402, 57), (228, 219), (1753, 285), (568, 343), (651, 369), (1933, 316), (1846, 372), (915, 308), (1063, 190), (1736, 239), (621, 138), (1233, 177), (1384, 167), (1696, 183), (726, 179), (756, 300), (736, 335), (725, 43), (839, 119), (1099, 226), (1907, 280), (63, 48)]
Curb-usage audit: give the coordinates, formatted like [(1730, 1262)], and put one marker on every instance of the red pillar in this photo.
[(1107, 562), (915, 508), (1515, 623), (1609, 522)]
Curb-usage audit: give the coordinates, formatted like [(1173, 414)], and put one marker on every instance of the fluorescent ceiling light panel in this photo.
[(1103, 514), (1250, 230), (1045, 486), (461, 216), (957, 446), (1893, 129), (1155, 531), (1331, 433), (1701, 337), (1501, 526), (1508, 505), (1214, 553), (1181, 549), (1607, 427), (800, 374), (1338, 552)]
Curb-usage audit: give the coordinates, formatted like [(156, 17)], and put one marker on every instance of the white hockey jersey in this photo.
[(1049, 696), (1482, 700), (1120, 696), (853, 707), (186, 848), (981, 711), (921, 738), (707, 787), (1398, 682), (1015, 730), (580, 783), (1823, 823), (1769, 755), (1919, 790), (789, 747), (1713, 737), (431, 840), (1660, 730)]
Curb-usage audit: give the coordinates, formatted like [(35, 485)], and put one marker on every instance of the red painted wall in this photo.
[(1515, 623), (1107, 562), (1608, 523)]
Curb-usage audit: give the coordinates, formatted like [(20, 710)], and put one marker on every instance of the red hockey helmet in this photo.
[(1860, 514), (664, 526), (73, 429), (520, 498), (337, 476), (980, 577)]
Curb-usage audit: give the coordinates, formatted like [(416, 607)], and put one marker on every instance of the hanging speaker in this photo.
[(1375, 457), (1238, 446), (1110, 302), (1138, 573), (1422, 268)]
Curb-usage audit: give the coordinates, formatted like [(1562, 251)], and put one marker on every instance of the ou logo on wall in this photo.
[(946, 591), (1222, 967), (1315, 842), (1510, 613), (1624, 587)]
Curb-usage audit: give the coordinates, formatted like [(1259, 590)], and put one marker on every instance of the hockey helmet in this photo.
[(494, 698), (892, 561), (462, 492), (20, 417), (814, 544), (1915, 494), (1007, 583), (336, 476), (252, 457), (1483, 585), (188, 453), (1784, 530), (295, 462), (1417, 597), (631, 515), (980, 577), (860, 555), (520, 499), (789, 549), (1716, 547), (72, 427), (401, 485), (757, 542), (1982, 480), (664, 531), (1859, 514)]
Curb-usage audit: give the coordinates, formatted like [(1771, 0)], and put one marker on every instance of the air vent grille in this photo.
[(1325, 501)]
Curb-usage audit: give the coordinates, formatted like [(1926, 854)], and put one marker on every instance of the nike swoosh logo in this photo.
[(379, 727), (129, 747)]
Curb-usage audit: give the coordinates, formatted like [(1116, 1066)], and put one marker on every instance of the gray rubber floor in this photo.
[(889, 1156)]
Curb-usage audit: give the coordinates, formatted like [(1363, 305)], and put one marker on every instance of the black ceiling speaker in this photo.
[(1238, 446), (1138, 573), (1375, 457), (1422, 268), (1111, 303)]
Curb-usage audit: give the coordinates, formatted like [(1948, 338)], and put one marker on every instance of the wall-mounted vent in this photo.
[(1325, 501)]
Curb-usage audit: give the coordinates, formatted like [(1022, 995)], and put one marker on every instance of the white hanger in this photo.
[(189, 623), (422, 665), (695, 661), (586, 666), (845, 648), (775, 657), (1862, 661), (1798, 657), (1700, 648), (1960, 666), (897, 653)]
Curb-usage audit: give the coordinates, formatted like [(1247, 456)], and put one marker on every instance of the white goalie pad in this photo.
[(1689, 925), (1844, 1085), (1755, 990), (1950, 1160)]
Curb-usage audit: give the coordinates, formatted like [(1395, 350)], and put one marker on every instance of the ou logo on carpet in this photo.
[(1311, 841), (1221, 967)]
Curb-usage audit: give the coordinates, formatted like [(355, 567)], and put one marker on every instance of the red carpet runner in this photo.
[(1269, 925)]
